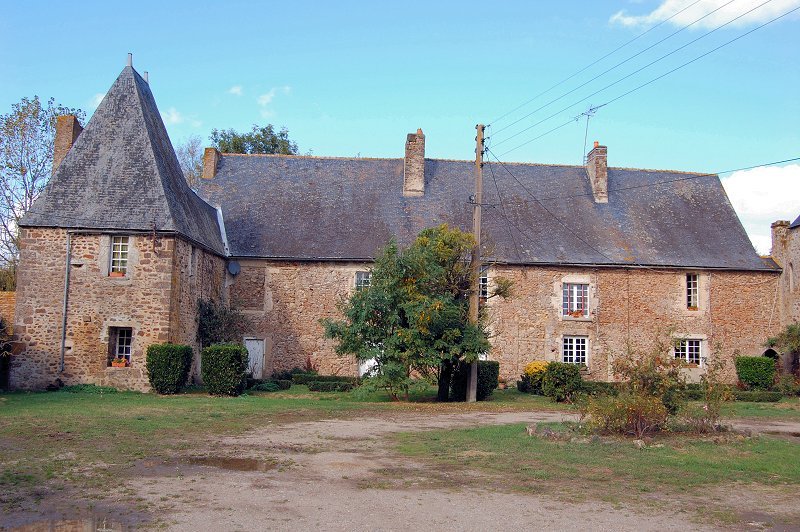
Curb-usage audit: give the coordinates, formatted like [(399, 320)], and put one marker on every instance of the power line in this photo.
[(623, 62), (643, 84), (612, 52)]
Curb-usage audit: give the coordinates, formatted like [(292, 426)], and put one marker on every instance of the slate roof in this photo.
[(795, 223), (311, 208), (122, 173)]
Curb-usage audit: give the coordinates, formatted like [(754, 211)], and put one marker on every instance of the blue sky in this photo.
[(352, 78)]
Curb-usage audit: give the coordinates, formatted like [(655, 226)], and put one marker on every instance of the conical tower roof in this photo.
[(122, 174)]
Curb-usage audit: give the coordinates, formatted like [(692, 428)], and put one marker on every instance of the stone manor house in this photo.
[(118, 249)]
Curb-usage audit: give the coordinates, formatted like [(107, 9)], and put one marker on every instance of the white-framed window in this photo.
[(483, 286), (120, 340), (574, 350), (119, 255), (575, 300), (689, 350), (363, 280), (692, 284)]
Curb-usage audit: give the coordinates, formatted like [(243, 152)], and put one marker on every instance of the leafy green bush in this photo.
[(656, 374), (283, 384), (488, 380), (599, 388), (330, 386), (756, 372), (561, 381), (168, 366), (693, 392), (531, 379), (524, 384), (757, 396), (634, 414), (287, 374), (305, 378), (266, 386), (224, 369), (787, 385)]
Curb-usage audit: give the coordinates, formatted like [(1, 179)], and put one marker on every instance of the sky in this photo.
[(352, 78)]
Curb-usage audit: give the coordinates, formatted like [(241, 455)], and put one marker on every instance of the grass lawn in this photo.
[(787, 409)]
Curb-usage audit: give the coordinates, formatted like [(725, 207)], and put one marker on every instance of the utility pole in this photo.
[(475, 263)]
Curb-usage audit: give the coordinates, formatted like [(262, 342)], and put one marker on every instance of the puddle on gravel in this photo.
[(233, 464), (92, 524)]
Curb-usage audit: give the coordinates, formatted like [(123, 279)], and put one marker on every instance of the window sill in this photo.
[(573, 318)]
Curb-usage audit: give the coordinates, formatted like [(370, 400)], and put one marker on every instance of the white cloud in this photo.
[(762, 196), (265, 99), (236, 90), (172, 116), (96, 99), (668, 8)]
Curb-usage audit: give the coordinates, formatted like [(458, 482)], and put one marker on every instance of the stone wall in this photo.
[(639, 308), (786, 253), (8, 302), (157, 299), (636, 307)]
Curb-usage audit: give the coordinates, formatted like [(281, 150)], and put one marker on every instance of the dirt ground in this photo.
[(339, 474)]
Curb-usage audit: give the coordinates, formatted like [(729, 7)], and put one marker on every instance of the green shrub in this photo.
[(633, 414), (488, 380), (87, 388), (305, 378), (756, 372), (286, 375), (283, 384), (599, 388), (561, 381), (787, 385), (168, 366), (694, 392), (266, 386), (330, 386), (524, 384), (224, 369), (757, 396)]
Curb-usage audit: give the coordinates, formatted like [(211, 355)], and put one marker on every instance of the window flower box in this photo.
[(116, 274), (119, 363)]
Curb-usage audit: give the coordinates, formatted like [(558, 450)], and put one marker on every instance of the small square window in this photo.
[(573, 350), (575, 300), (363, 280), (120, 340), (483, 287), (119, 256), (691, 291), (689, 350)]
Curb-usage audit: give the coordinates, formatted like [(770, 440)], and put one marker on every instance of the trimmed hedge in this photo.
[(305, 378), (756, 372), (330, 386), (561, 381), (266, 386), (599, 388), (286, 375), (168, 366), (757, 396), (280, 383), (224, 369), (488, 380)]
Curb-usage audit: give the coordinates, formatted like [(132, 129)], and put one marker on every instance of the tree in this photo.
[(190, 157), (27, 138), (258, 140), (413, 318)]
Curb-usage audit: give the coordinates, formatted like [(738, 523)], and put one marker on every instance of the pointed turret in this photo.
[(122, 174)]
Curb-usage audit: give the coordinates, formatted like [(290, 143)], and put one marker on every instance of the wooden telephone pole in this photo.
[(475, 263)]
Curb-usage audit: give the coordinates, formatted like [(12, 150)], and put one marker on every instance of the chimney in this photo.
[(210, 161), (414, 165), (780, 231), (67, 130), (130, 59), (146, 77), (597, 170)]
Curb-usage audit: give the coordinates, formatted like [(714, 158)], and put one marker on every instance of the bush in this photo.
[(253, 384), (628, 413), (756, 372), (266, 386), (757, 396), (287, 374), (330, 386), (656, 374), (531, 379), (694, 392), (787, 385), (599, 388), (87, 388), (488, 380), (305, 378), (561, 381), (283, 384), (524, 384), (168, 367), (224, 369)]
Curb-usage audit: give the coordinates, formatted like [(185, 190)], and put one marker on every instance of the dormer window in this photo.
[(691, 291), (119, 256)]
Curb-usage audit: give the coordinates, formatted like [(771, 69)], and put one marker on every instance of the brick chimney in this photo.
[(67, 130), (210, 161), (597, 169), (780, 231), (414, 166)]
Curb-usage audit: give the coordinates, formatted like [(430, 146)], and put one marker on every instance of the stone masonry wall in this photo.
[(140, 300), (786, 253), (8, 301), (634, 307)]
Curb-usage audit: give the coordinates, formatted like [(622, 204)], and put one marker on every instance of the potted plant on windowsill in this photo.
[(577, 314), (116, 274), (119, 362)]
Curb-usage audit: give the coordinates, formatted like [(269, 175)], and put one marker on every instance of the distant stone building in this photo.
[(603, 259)]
